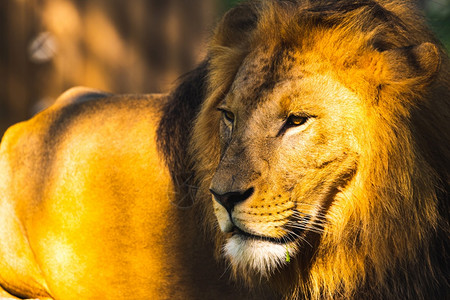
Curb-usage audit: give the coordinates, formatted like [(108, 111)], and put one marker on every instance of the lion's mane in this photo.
[(390, 237)]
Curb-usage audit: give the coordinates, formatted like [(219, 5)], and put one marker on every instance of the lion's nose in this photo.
[(230, 199)]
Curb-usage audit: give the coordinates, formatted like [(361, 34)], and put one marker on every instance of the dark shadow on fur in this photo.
[(175, 127)]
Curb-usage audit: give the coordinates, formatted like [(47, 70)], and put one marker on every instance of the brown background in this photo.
[(135, 46)]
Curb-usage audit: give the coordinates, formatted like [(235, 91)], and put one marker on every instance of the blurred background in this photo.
[(134, 46)]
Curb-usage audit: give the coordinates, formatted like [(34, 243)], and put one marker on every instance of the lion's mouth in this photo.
[(286, 239)]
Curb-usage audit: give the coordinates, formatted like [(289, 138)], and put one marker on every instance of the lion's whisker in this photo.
[(296, 236), (306, 228)]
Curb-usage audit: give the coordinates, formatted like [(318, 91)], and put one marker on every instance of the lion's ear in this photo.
[(415, 64), (237, 23)]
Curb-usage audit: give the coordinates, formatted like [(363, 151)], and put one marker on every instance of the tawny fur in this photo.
[(383, 235), (117, 203)]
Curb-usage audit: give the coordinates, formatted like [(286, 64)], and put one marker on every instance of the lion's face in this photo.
[(288, 147), (314, 142)]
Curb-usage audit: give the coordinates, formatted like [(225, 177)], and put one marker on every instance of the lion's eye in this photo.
[(294, 120), (227, 115)]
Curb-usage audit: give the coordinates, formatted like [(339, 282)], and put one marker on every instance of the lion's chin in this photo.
[(258, 256)]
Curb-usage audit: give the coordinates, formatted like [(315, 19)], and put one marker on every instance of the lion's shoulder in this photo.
[(80, 106), (79, 94)]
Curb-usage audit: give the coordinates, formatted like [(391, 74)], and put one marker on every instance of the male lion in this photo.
[(307, 157)]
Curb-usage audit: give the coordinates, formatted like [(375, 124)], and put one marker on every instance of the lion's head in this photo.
[(316, 150)]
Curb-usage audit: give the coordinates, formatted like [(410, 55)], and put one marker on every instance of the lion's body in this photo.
[(92, 214), (321, 129), (57, 201)]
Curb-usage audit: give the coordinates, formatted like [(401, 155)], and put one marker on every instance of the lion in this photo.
[(306, 158)]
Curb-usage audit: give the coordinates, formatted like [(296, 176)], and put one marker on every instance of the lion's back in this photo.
[(95, 188)]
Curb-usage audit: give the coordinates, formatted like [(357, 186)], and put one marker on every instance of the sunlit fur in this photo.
[(107, 196), (384, 232)]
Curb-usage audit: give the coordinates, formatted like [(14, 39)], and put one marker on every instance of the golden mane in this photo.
[(391, 236)]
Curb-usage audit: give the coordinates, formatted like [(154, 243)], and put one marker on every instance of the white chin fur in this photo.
[(257, 256)]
